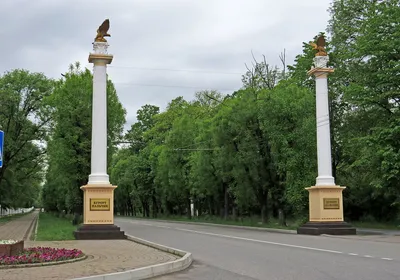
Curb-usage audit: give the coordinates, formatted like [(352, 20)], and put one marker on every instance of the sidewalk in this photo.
[(104, 256), (19, 229)]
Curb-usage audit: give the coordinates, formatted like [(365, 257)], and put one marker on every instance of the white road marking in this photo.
[(151, 225), (162, 226), (259, 241)]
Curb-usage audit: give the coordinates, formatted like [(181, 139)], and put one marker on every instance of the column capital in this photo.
[(100, 58), (320, 68), (100, 54), (320, 72)]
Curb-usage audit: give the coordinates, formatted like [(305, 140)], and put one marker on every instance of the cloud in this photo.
[(213, 36)]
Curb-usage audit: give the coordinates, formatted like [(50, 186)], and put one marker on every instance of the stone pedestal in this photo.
[(98, 202), (325, 198), (9, 250), (326, 212), (98, 214)]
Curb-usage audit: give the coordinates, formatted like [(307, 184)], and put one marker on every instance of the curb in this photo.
[(274, 230), (28, 233), (355, 237), (149, 271), (33, 237)]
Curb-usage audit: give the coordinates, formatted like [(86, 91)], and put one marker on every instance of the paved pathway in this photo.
[(105, 256), (18, 229)]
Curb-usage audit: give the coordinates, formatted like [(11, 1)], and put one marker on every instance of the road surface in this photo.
[(240, 254)]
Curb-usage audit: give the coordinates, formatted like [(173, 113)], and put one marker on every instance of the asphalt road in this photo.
[(230, 254)]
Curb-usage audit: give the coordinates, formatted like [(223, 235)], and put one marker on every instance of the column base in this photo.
[(332, 228), (326, 212), (99, 232)]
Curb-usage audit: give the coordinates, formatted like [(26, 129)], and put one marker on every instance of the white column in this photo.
[(323, 125), (100, 59)]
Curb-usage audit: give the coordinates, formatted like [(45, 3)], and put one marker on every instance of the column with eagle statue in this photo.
[(325, 198), (98, 194)]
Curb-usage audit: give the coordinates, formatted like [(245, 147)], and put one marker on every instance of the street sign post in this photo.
[(1, 147)]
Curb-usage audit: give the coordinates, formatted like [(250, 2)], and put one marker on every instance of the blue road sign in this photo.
[(1, 147)]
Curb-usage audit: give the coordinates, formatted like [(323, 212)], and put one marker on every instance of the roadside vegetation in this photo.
[(52, 227), (244, 158)]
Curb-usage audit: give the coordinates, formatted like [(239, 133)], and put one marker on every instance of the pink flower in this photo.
[(41, 254)]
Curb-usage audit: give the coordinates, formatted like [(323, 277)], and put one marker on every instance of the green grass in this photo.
[(5, 219), (376, 225), (247, 221), (52, 228)]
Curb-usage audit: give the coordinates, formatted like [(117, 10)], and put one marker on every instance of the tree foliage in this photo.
[(254, 151), (248, 153), (25, 121), (69, 143)]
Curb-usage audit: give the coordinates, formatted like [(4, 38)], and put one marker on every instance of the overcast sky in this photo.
[(162, 48)]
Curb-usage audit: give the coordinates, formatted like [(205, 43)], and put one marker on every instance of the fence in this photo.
[(7, 212)]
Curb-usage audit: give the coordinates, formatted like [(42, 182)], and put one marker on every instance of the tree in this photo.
[(24, 119), (69, 143), (364, 45)]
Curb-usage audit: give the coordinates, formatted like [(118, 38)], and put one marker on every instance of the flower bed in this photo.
[(41, 255)]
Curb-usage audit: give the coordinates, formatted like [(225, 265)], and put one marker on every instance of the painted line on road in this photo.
[(152, 225), (262, 241), (162, 226)]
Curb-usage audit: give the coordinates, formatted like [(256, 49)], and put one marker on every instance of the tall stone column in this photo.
[(100, 58), (320, 73), (325, 198), (98, 194)]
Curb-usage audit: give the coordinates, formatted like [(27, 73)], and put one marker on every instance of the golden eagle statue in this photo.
[(319, 46), (102, 31)]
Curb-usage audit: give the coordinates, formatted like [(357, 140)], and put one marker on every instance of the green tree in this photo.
[(24, 119), (366, 53), (69, 143)]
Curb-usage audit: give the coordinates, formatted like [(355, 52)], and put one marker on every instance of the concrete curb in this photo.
[(34, 235), (28, 233), (274, 230), (150, 271)]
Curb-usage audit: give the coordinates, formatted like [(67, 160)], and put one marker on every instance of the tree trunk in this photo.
[(234, 213), (282, 218), (188, 206), (264, 209), (226, 201), (155, 207)]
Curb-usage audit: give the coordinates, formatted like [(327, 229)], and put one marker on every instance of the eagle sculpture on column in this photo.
[(319, 46), (102, 31)]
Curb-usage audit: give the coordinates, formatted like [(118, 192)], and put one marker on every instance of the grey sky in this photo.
[(198, 35)]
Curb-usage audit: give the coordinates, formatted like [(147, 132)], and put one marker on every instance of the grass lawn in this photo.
[(52, 228), (5, 219), (376, 225)]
